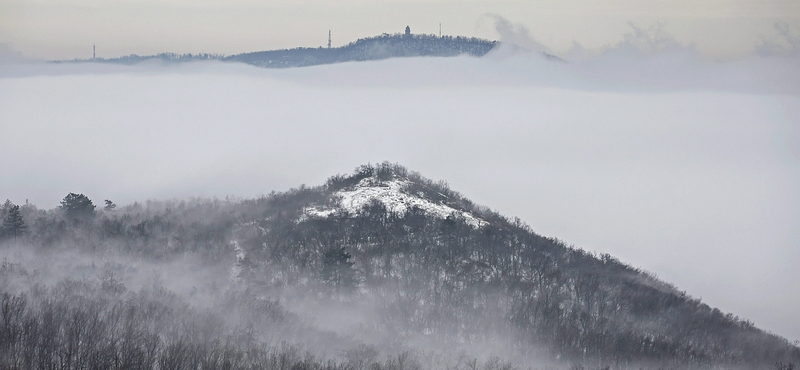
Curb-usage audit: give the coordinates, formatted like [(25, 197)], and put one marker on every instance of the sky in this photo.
[(655, 143), (67, 29)]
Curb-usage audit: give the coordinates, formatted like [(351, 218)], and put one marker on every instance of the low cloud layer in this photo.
[(683, 166)]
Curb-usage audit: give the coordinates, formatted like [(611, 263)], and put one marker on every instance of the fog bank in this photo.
[(683, 166)]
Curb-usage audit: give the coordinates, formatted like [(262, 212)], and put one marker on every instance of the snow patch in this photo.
[(393, 195), (236, 270)]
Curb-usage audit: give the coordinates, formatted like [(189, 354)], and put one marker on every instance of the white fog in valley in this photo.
[(686, 167)]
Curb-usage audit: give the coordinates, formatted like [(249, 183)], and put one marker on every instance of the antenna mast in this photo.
[(440, 30), (329, 39), (94, 51)]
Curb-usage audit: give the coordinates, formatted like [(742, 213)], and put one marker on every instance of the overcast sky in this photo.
[(66, 29)]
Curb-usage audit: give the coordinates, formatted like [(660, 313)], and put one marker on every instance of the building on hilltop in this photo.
[(408, 31)]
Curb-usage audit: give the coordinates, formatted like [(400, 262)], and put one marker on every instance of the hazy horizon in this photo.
[(67, 29)]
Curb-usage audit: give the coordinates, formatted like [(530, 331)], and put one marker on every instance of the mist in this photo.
[(674, 163)]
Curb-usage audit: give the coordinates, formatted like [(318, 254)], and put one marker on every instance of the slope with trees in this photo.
[(424, 290)]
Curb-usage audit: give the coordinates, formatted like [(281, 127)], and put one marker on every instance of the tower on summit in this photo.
[(329, 39), (408, 31)]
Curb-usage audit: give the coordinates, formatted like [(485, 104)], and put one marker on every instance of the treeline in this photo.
[(155, 230), (164, 57), (370, 48), (99, 324), (399, 45)]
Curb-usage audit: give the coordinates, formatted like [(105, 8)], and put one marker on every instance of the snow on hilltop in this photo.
[(393, 195)]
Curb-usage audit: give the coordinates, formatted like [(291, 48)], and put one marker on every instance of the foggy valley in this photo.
[(632, 206)]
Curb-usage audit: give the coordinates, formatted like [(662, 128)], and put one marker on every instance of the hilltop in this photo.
[(371, 48), (380, 263), (478, 276)]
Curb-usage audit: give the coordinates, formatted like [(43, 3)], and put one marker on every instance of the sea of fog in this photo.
[(685, 167)]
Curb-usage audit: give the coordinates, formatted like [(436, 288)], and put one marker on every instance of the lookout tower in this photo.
[(408, 31)]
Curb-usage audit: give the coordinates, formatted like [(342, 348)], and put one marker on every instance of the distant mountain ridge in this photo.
[(370, 48)]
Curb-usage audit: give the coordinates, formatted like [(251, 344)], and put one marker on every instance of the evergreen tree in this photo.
[(78, 207), (13, 222), (4, 209)]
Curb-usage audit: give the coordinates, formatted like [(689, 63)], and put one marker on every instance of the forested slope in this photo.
[(381, 268)]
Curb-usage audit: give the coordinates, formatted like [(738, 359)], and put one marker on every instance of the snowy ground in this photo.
[(393, 195)]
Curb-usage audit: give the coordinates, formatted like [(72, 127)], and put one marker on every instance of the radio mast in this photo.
[(94, 51), (329, 39)]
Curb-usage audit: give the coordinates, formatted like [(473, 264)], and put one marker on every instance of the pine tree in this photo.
[(13, 222), (78, 207)]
